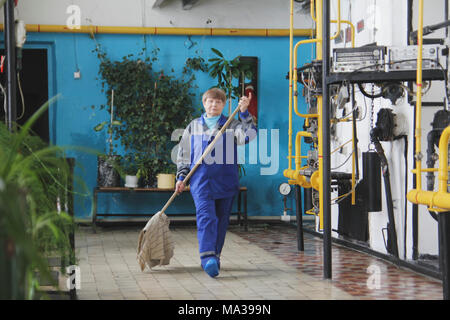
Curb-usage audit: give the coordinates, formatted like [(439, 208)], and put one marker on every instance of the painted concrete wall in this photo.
[(73, 119), (219, 13)]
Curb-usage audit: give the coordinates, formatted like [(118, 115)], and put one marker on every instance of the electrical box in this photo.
[(405, 58), (362, 59)]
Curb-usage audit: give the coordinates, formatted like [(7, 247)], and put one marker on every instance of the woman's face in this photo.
[(213, 107)]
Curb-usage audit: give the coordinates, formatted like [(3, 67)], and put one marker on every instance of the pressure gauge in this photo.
[(284, 188)]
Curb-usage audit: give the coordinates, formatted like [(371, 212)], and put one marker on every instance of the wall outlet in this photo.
[(77, 74)]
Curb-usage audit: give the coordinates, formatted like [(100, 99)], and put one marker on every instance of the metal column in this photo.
[(11, 78), (326, 142), (299, 212), (444, 252)]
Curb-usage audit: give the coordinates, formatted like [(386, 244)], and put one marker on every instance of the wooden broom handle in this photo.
[(205, 153)]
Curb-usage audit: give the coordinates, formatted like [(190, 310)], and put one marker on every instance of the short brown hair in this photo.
[(215, 93)]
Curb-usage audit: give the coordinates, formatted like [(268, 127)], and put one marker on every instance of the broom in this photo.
[(160, 222)]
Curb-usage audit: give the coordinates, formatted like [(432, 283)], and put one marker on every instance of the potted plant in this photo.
[(107, 174), (166, 175), (130, 170), (33, 176), (227, 70), (144, 174), (153, 104)]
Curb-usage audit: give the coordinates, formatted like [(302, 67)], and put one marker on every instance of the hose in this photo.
[(374, 133)]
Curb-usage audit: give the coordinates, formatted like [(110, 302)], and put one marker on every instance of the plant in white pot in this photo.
[(130, 170)]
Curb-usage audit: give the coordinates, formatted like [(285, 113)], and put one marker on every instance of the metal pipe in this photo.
[(319, 56), (418, 133), (338, 31), (299, 212), (167, 31), (326, 180), (444, 252), (355, 165), (11, 78), (307, 116), (291, 41), (339, 21), (295, 174), (440, 200), (415, 207)]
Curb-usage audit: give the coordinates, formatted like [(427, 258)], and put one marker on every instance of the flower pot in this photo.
[(107, 175), (131, 181), (166, 181)]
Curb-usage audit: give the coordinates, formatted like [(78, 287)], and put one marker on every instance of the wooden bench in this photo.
[(241, 200)]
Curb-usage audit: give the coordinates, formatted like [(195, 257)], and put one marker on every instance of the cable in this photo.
[(346, 160), (406, 60), (368, 95), (4, 98), (21, 96)]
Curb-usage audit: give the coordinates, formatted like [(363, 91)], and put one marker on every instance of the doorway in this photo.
[(32, 90)]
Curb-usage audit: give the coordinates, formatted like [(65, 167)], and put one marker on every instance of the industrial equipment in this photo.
[(405, 58), (364, 59)]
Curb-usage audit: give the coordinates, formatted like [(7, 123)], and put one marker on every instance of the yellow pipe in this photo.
[(296, 80), (441, 198), (352, 27), (428, 170), (312, 7), (319, 53), (443, 159), (291, 41), (167, 31), (418, 134), (335, 21), (341, 146), (298, 161), (338, 31), (295, 174)]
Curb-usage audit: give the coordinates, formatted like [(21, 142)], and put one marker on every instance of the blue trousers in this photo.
[(213, 217)]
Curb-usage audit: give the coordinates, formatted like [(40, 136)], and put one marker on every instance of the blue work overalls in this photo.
[(215, 182)]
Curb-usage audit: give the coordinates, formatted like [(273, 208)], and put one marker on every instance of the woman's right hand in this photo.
[(179, 187)]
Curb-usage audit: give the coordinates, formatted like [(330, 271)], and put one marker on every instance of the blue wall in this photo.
[(72, 119)]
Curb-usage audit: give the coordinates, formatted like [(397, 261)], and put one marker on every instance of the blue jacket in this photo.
[(217, 176)]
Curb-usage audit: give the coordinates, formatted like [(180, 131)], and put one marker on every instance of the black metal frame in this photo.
[(394, 76), (11, 77), (326, 166)]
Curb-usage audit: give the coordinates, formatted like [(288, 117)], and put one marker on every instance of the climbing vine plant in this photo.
[(150, 104)]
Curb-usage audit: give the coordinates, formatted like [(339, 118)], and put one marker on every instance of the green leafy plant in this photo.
[(152, 104), (33, 178), (111, 123), (129, 165), (196, 64), (226, 70)]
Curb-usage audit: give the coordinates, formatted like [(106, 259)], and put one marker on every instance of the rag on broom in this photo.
[(155, 244)]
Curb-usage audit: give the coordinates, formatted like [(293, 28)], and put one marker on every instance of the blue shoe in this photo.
[(212, 268)]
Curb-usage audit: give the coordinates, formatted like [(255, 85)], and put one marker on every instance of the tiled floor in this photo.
[(353, 272), (260, 264)]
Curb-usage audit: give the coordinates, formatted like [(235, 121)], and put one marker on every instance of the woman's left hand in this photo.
[(244, 102)]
